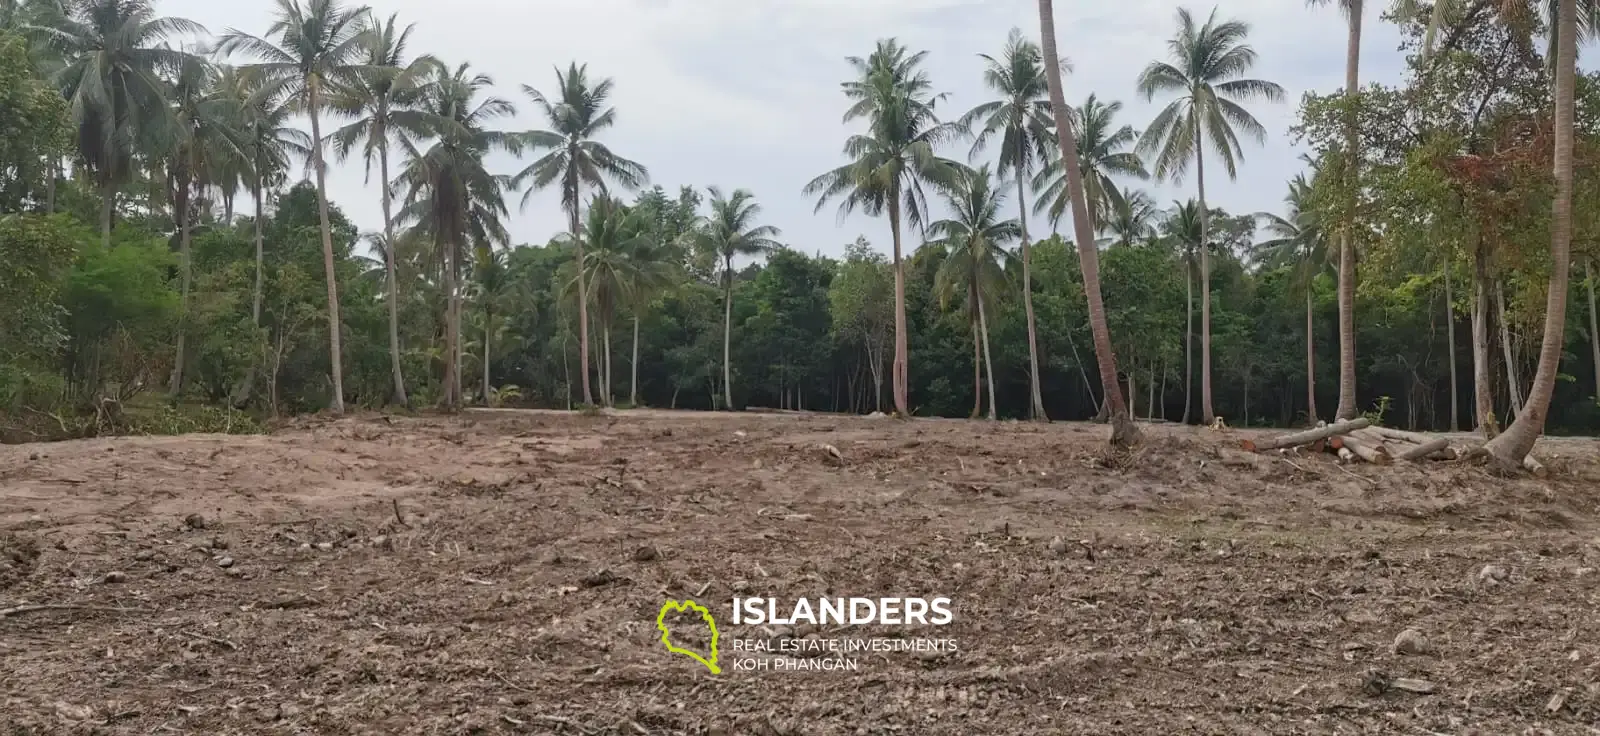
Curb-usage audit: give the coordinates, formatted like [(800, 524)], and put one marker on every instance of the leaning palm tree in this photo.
[(890, 163), (455, 203), (1123, 431), (576, 114), (1208, 63), (1102, 153), (1134, 220), (1512, 446), (385, 101), (1299, 243), (317, 49), (974, 241), (116, 58), (1347, 256), (1021, 117), (731, 230)]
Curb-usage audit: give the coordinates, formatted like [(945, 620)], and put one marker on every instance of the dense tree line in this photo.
[(156, 238)]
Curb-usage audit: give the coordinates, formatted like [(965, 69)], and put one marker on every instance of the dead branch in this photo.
[(17, 610), (1306, 437)]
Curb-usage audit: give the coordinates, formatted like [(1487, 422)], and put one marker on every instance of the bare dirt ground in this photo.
[(265, 585)]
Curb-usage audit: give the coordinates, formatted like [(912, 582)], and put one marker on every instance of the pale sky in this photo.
[(745, 93)]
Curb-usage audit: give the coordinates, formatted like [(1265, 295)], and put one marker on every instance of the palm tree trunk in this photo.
[(901, 351), (1594, 327), (452, 397), (988, 358), (1483, 388), (1517, 441), (1150, 406), (1133, 390), (1035, 395), (977, 368), (1311, 361), (1347, 254), (488, 335), (583, 297), (1206, 413), (1123, 431), (633, 382), (180, 203), (1188, 337), (605, 336), (335, 353), (255, 299), (727, 334), (1450, 335), (389, 273), (1513, 382)]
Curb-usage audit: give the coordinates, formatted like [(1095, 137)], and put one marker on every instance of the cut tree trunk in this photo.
[(1424, 450), (1307, 437), (1373, 453)]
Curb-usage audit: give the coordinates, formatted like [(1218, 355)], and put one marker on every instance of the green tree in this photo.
[(861, 302), (576, 115), (385, 99), (1133, 220), (730, 231), (318, 49), (1209, 61), (974, 240), (1021, 117), (1102, 154), (1299, 243), (1123, 431), (890, 164)]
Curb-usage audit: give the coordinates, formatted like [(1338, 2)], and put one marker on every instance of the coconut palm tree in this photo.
[(1347, 257), (450, 195), (576, 115), (1512, 446), (1102, 153), (116, 59), (974, 240), (317, 50), (1123, 431), (890, 163), (384, 100), (1182, 230), (1208, 62), (1021, 117), (731, 230), (1299, 243), (1134, 219)]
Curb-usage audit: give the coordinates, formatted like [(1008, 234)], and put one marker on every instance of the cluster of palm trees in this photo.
[(897, 159)]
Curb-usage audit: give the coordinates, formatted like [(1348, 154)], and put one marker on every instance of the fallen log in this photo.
[(1402, 435), (1306, 437), (1419, 452), (1375, 454)]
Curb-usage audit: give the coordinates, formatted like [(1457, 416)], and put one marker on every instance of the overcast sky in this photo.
[(745, 93)]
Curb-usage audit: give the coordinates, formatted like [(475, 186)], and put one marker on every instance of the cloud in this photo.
[(745, 93)]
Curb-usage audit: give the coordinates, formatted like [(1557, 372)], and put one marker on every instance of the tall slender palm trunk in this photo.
[(988, 358), (977, 364), (335, 352), (488, 336), (1508, 350), (180, 203), (633, 381), (1188, 337), (1347, 256), (1450, 336), (389, 272), (1311, 360), (108, 207), (727, 336), (1035, 395), (1207, 415), (583, 296), (1517, 441), (1123, 430), (452, 336), (605, 338), (1482, 387), (901, 350), (255, 299), (1594, 327)]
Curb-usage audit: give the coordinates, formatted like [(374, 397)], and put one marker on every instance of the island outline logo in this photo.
[(684, 605)]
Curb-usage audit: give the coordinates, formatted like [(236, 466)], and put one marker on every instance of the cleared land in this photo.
[(269, 586)]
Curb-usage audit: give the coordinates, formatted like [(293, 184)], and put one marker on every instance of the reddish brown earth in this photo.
[(514, 597)]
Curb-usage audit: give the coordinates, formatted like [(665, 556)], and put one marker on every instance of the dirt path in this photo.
[(269, 587)]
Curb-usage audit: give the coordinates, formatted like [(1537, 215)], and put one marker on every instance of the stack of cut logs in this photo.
[(1357, 440)]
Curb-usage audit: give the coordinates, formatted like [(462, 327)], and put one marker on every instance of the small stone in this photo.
[(645, 554), (324, 546), (1491, 574), (116, 577), (739, 586), (1058, 546), (380, 540), (225, 563), (219, 543), (234, 572), (1411, 641), (144, 555), (194, 521)]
